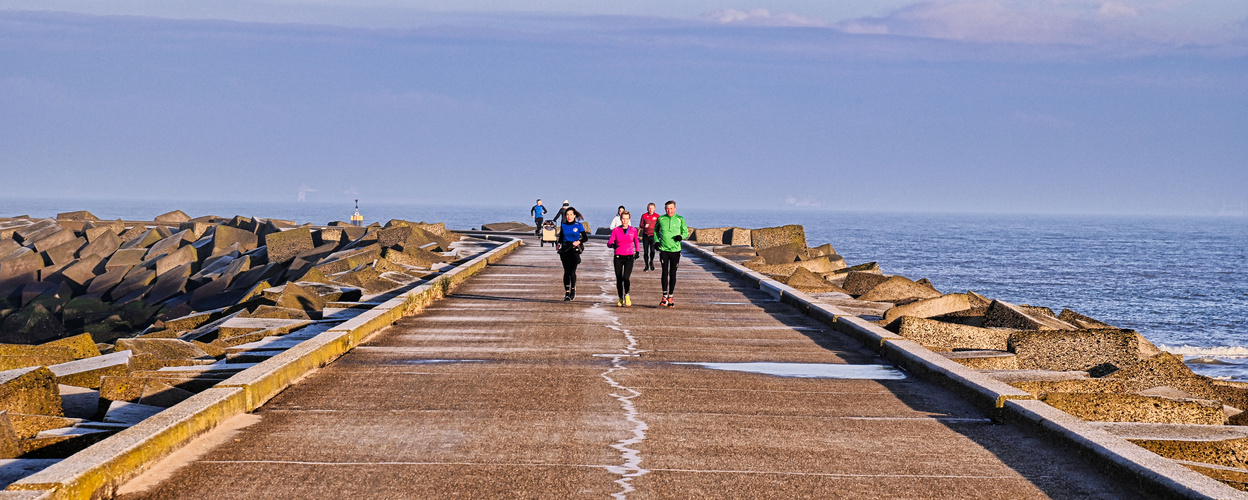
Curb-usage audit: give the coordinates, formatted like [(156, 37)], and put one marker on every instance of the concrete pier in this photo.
[(505, 390)]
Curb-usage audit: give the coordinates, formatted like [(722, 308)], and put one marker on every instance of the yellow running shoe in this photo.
[(628, 301)]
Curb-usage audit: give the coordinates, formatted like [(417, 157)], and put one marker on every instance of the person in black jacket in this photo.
[(572, 238)]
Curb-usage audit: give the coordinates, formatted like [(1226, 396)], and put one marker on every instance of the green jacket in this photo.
[(666, 229)]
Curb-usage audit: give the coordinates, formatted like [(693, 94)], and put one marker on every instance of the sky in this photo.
[(992, 106)]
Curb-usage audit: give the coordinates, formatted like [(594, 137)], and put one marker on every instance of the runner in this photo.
[(538, 212), (648, 220), (627, 244), (562, 209), (572, 238), (615, 222), (669, 232)]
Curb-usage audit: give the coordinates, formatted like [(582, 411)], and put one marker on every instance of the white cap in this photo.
[(565, 202)]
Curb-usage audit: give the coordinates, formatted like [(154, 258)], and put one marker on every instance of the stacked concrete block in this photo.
[(114, 279), (109, 322), (1006, 315), (1104, 349), (898, 289), (950, 336)]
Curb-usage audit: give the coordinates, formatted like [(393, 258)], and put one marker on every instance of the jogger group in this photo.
[(655, 232)]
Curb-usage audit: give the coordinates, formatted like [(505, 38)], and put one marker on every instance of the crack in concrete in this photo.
[(631, 469)]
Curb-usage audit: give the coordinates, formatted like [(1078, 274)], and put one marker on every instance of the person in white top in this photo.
[(616, 221)]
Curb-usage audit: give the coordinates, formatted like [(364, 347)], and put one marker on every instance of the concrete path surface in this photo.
[(503, 390)]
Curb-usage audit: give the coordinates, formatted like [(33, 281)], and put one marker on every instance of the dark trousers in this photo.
[(623, 270), (570, 259), (537, 221), (647, 250), (669, 260)]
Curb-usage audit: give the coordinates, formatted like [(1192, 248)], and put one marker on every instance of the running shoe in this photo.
[(572, 294), (567, 295), (628, 301), (663, 303), (671, 302), (619, 303)]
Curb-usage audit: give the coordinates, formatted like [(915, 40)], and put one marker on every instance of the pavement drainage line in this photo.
[(491, 464), (609, 467), (632, 457), (835, 474)]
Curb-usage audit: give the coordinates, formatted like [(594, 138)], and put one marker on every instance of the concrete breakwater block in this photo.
[(29, 426), (783, 254), (347, 260), (822, 264), (31, 391), (1225, 445), (174, 217), (859, 282), (79, 215), (88, 372), (809, 282), (1081, 321), (508, 226), (1168, 370), (1075, 349), (926, 308), (898, 289), (983, 359), (276, 312), (284, 246), (296, 296), (769, 237), (1006, 315), (164, 349), (62, 442), (950, 336), (79, 402), (76, 347), (1084, 384), (1105, 407), (133, 388), (241, 326), (124, 412), (969, 317)]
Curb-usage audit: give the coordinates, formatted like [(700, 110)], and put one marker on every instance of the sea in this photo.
[(1179, 281)]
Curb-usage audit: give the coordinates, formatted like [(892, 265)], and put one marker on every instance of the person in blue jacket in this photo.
[(572, 238), (539, 212)]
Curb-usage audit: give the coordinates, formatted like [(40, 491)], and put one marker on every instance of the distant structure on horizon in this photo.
[(357, 219), (1229, 210), (303, 192)]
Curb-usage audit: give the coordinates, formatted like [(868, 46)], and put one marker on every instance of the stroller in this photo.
[(549, 234)]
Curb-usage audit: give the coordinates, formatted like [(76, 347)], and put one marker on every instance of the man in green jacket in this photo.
[(668, 233)]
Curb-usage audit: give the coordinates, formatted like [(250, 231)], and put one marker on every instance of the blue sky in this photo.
[(1048, 106)]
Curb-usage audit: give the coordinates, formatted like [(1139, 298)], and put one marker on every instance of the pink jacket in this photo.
[(627, 241)]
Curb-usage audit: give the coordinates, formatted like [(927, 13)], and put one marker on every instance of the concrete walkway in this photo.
[(505, 390)]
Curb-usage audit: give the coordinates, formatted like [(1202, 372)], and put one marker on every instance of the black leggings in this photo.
[(570, 259), (623, 270), (669, 260), (647, 250)]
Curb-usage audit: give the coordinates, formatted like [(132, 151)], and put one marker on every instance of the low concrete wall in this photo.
[(1004, 402), (99, 470)]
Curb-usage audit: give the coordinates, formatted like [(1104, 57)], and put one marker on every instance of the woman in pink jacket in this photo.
[(626, 241)]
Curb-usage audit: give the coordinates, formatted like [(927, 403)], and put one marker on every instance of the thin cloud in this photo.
[(1081, 22), (764, 17)]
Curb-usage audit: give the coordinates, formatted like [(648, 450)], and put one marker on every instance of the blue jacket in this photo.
[(571, 232)]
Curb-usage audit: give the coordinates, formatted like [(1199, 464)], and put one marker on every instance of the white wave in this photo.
[(1231, 352)]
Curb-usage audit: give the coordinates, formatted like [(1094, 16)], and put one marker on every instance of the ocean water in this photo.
[(1180, 281)]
